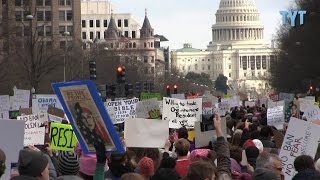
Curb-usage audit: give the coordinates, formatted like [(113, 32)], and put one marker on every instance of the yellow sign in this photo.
[(191, 135), (62, 137), (227, 96)]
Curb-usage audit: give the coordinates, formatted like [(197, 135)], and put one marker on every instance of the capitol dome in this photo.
[(237, 22)]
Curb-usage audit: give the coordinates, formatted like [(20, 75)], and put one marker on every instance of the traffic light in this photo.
[(121, 74), (138, 88), (311, 88), (168, 90), (175, 89), (128, 89), (113, 90), (93, 70)]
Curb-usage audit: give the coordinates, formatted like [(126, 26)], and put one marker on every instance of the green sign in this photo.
[(145, 96), (62, 137)]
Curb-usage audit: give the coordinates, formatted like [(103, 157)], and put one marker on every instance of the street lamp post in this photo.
[(66, 34)]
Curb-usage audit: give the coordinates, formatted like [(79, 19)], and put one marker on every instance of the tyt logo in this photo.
[(292, 16)]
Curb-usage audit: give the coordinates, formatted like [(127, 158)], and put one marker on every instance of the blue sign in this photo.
[(292, 17)]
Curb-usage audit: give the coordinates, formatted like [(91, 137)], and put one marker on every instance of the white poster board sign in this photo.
[(312, 113), (182, 112), (146, 133), (123, 109), (305, 103), (4, 115), (41, 102), (4, 103), (112, 114), (11, 138), (21, 99), (272, 104), (233, 102), (148, 109), (275, 117), (34, 128), (250, 103), (301, 139)]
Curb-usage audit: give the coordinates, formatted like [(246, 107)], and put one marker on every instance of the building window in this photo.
[(97, 23), (202, 59), (208, 67), (189, 68), (229, 75), (145, 59), (125, 23), (111, 45), (69, 15), (40, 31), (151, 44), (39, 2), (252, 74), (91, 35), (119, 22), (258, 62), (70, 29), (62, 29), (84, 35), (18, 15), (245, 74), (17, 2), (152, 59), (182, 68), (61, 2), (264, 62), (62, 44), (105, 23), (105, 34), (208, 59), (91, 23), (134, 45), (126, 34), (229, 66), (62, 16), (145, 44), (133, 33), (202, 68), (252, 62), (83, 23), (196, 67), (40, 16), (49, 45), (152, 70), (47, 15), (244, 62), (47, 2), (68, 2), (48, 30), (98, 35)]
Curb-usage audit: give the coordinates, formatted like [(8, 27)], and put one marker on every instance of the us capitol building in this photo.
[(237, 49)]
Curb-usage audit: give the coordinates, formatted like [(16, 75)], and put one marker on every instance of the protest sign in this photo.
[(203, 137), (4, 115), (35, 129), (53, 118), (11, 138), (275, 117), (286, 96), (223, 108), (305, 103), (4, 103), (147, 133), (41, 102), (312, 113), (250, 103), (148, 109), (272, 104), (87, 115), (145, 96), (123, 109), (233, 102), (56, 111), (112, 114), (178, 96), (21, 99), (62, 137), (181, 112), (301, 139)]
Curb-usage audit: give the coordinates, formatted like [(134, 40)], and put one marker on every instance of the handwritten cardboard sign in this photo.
[(275, 117), (148, 109), (4, 103), (62, 137), (21, 99), (35, 129), (123, 109), (181, 112), (301, 139), (312, 113)]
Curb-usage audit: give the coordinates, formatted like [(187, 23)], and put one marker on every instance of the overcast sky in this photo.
[(190, 21)]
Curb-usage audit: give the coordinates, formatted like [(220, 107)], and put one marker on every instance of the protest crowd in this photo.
[(188, 138)]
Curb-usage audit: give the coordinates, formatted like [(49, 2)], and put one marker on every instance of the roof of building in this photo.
[(146, 22), (112, 24), (188, 50), (161, 37)]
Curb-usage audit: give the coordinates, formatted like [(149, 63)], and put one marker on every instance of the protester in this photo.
[(252, 154), (118, 166), (146, 168), (32, 165), (2, 162), (68, 166), (131, 176), (182, 148), (305, 166), (165, 174), (201, 170), (269, 161), (265, 137)]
